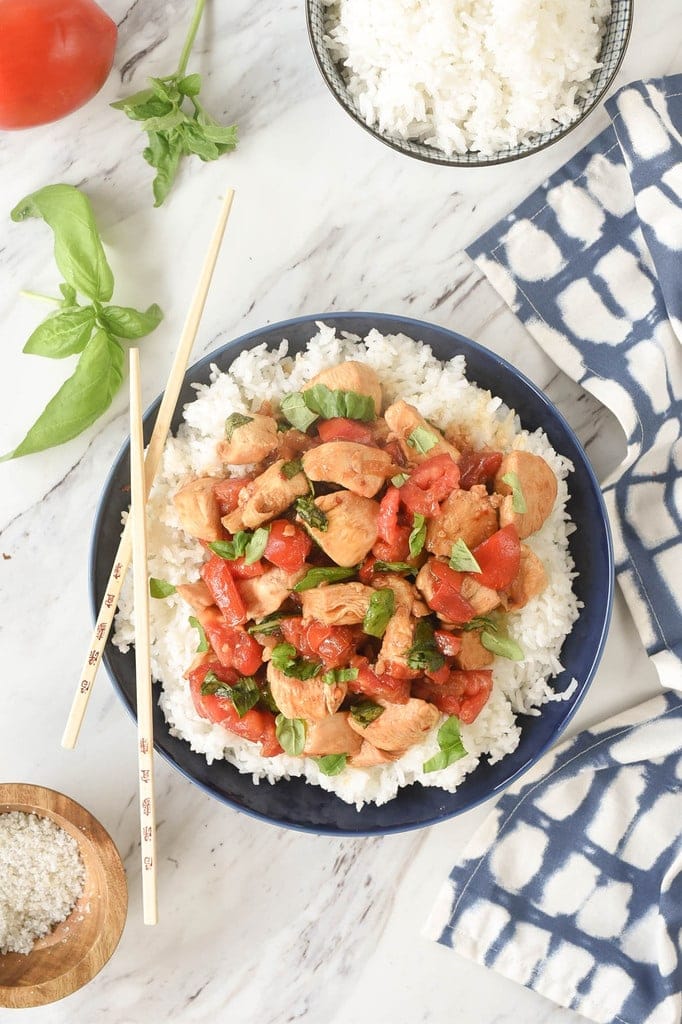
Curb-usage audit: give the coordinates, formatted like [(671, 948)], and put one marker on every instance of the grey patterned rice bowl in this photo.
[(616, 39)]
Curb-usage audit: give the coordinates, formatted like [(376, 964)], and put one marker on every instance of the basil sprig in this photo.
[(423, 655), (285, 658), (302, 408), (518, 499), (203, 642), (291, 734), (324, 574), (331, 764), (234, 421), (176, 122), (422, 440), (462, 559), (451, 747), (417, 537), (244, 695), (91, 331), (366, 712), (379, 611), (160, 588)]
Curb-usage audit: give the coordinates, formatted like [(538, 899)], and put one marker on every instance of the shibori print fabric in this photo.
[(592, 264), (573, 885)]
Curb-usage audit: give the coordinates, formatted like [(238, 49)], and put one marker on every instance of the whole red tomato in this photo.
[(54, 56)]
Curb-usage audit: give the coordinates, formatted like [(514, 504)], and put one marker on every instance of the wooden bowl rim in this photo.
[(58, 806)]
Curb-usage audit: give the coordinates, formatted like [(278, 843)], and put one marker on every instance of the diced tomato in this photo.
[(383, 687), (440, 675), (397, 550), (288, 546), (366, 570), (499, 558), (447, 643), (387, 520), (478, 467), (429, 484), (464, 694), (446, 598), (417, 500), (209, 663), (241, 571), (219, 580), (333, 645), (341, 429), (256, 725), (234, 647), (227, 493)]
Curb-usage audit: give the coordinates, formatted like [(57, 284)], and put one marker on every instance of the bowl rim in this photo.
[(410, 323), (445, 161), (57, 806)]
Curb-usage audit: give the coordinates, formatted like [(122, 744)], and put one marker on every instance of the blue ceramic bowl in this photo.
[(293, 803)]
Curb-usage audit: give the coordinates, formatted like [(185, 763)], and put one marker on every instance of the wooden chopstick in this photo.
[(143, 672), (164, 416)]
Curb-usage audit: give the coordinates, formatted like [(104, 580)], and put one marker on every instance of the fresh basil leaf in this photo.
[(190, 85), (63, 334), (196, 142), (331, 404), (422, 440), (160, 588), (268, 701), (165, 122), (291, 734), (423, 655), (397, 567), (417, 537), (312, 515), (451, 747), (126, 322), (462, 559), (339, 675), (214, 687), (518, 499), (231, 549), (399, 480), (245, 694), (324, 574), (78, 250), (294, 407), (164, 156), (69, 294), (501, 645), (234, 421), (366, 712), (331, 764), (257, 545), (224, 136), (284, 657), (479, 622), (291, 469), (381, 608), (134, 101), (80, 400), (203, 642), (268, 626)]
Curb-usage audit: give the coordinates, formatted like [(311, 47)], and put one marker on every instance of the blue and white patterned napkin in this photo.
[(573, 885)]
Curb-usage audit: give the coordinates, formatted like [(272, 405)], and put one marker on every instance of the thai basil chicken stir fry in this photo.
[(357, 579)]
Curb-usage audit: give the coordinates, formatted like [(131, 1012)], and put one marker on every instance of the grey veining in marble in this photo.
[(256, 924)]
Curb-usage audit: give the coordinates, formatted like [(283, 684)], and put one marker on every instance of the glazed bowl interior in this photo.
[(614, 45), (294, 803)]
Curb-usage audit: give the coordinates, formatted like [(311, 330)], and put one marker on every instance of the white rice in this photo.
[(466, 75), (408, 370)]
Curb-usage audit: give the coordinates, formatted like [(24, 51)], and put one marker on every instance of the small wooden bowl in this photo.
[(77, 949)]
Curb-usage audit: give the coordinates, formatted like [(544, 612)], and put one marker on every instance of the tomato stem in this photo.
[(191, 36), (40, 297)]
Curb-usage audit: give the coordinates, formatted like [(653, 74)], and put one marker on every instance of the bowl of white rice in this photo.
[(469, 82), (563, 631)]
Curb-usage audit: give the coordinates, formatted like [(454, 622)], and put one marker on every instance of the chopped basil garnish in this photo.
[(297, 412), (422, 440), (339, 675), (418, 535), (231, 549), (366, 712), (331, 764), (379, 612), (291, 734), (423, 655), (269, 625), (285, 658), (462, 559), (502, 645), (203, 642), (312, 515), (479, 622), (330, 404), (268, 701), (398, 567), (518, 499), (159, 588), (244, 695), (257, 545), (290, 469), (451, 747), (399, 479), (324, 574), (233, 422)]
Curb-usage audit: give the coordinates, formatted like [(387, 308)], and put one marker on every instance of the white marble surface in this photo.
[(257, 924)]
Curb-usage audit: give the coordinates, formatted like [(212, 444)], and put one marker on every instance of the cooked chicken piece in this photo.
[(351, 526), (530, 581), (332, 735), (483, 599), (292, 443), (264, 594), (311, 699), (251, 442), (399, 726), (264, 498), (469, 515), (370, 756), (359, 467), (350, 376), (425, 582), (472, 653), (403, 419), (405, 594), (339, 604), (197, 509), (268, 643), (396, 642), (538, 486), (197, 595)]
